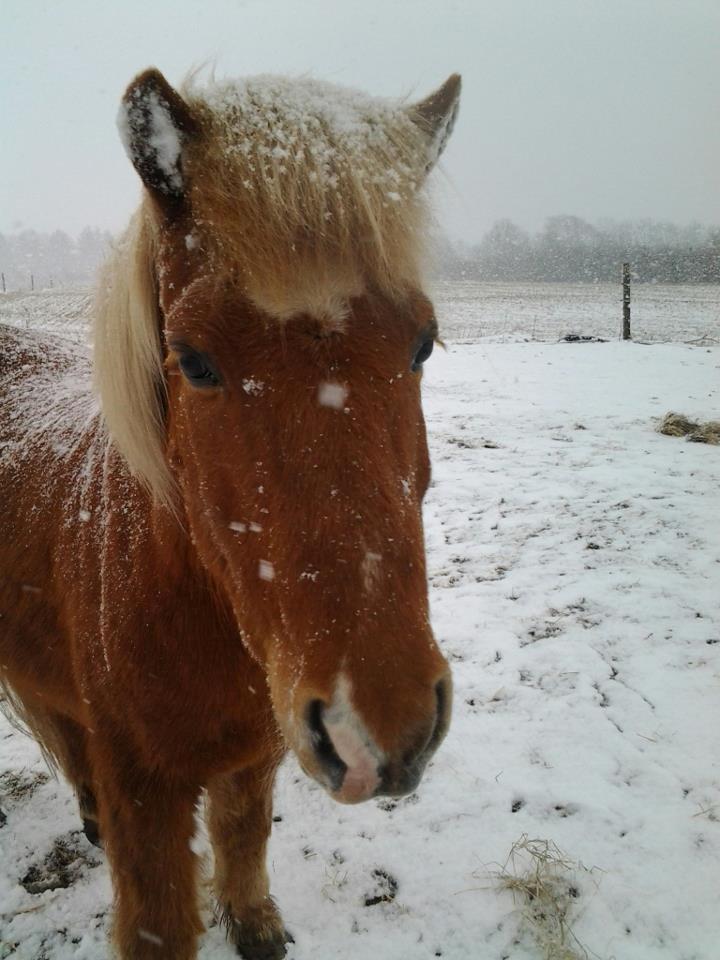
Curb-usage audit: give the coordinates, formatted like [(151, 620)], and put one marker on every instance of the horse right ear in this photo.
[(154, 123)]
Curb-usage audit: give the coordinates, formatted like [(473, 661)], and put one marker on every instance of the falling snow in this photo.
[(332, 395)]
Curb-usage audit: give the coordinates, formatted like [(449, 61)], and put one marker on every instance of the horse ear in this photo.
[(154, 123), (436, 115)]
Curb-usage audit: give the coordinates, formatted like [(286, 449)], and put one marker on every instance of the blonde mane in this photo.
[(128, 356), (305, 193), (297, 177)]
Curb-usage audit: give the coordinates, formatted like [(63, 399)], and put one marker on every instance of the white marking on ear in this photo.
[(146, 119), (154, 124)]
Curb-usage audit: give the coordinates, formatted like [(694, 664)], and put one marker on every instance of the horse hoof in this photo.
[(92, 832), (264, 949)]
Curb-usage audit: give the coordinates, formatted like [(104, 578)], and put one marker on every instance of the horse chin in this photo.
[(351, 791), (349, 799)]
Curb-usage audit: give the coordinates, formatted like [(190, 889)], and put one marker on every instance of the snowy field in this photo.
[(574, 558), (506, 312)]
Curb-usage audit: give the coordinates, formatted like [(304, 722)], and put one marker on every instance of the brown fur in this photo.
[(139, 641)]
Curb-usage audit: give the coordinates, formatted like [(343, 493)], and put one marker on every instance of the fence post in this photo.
[(32, 282), (3, 282), (626, 301)]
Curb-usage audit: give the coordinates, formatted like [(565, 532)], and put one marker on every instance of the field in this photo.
[(574, 562)]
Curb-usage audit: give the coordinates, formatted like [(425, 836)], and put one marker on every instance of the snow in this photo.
[(266, 571), (281, 124), (252, 387), (573, 558), (162, 139), (312, 104), (332, 395)]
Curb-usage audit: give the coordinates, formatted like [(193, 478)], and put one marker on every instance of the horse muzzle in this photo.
[(349, 763)]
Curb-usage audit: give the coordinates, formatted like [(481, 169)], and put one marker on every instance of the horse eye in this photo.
[(421, 356), (197, 369)]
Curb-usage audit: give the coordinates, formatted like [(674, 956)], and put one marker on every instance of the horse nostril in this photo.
[(334, 767), (443, 699), (399, 778)]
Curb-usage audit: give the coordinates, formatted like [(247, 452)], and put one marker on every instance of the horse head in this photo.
[(264, 381)]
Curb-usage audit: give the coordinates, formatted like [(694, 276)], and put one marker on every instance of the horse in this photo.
[(213, 544)]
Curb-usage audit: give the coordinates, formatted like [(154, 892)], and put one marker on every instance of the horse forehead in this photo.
[(325, 299), (335, 303)]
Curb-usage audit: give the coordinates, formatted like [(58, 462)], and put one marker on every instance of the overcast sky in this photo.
[(599, 108)]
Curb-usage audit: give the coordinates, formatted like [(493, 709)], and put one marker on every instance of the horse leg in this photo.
[(70, 748), (239, 822), (148, 822)]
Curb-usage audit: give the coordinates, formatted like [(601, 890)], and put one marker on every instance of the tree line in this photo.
[(29, 258), (569, 249)]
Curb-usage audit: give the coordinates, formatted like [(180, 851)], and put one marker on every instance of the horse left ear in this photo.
[(436, 115), (154, 123)]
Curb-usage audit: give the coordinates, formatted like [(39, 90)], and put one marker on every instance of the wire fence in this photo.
[(472, 311)]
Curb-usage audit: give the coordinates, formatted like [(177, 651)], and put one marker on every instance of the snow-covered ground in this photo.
[(574, 558), (509, 312)]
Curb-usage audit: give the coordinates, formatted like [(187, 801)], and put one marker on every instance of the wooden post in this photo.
[(3, 282), (626, 300), (32, 282)]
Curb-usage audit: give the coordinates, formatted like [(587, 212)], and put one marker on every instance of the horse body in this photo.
[(44, 437), (82, 533), (226, 558)]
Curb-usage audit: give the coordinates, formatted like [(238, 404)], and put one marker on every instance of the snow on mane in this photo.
[(298, 178)]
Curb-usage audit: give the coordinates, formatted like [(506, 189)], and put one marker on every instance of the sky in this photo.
[(597, 108)]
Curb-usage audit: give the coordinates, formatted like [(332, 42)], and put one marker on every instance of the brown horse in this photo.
[(225, 555)]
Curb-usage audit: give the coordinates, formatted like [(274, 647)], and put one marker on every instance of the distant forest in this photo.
[(567, 249), (570, 249), (31, 259)]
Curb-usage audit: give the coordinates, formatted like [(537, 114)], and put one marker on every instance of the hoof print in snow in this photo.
[(61, 867), (20, 785), (517, 805), (462, 444), (385, 889), (545, 631), (603, 699), (565, 809)]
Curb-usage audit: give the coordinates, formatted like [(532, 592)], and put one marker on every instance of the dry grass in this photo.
[(678, 425), (544, 882)]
